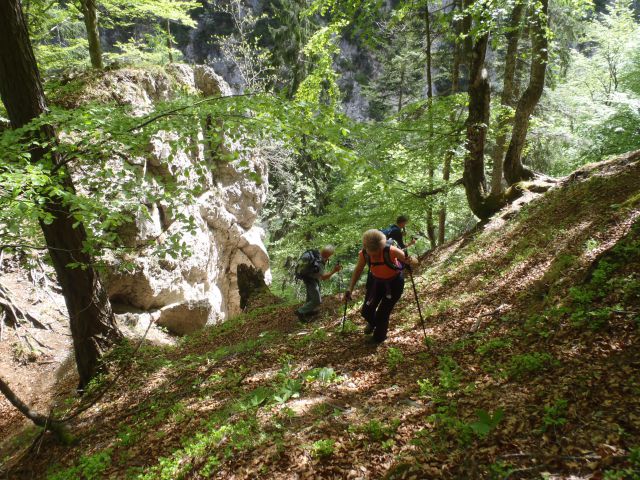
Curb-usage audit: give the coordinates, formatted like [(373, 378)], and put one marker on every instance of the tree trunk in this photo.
[(402, 73), (442, 215), (92, 322), (446, 169), (481, 204), (427, 25), (431, 229), (90, 15), (514, 171), (508, 96), (169, 44)]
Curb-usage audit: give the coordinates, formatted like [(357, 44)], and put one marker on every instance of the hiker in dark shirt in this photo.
[(310, 270), (397, 230)]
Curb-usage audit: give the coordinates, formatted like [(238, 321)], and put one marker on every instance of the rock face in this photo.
[(201, 288)]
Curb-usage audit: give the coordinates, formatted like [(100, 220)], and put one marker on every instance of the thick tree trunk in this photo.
[(446, 169), (507, 98), (90, 15), (481, 204), (514, 171), (91, 319)]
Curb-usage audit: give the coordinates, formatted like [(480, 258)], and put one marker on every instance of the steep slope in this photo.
[(530, 366)]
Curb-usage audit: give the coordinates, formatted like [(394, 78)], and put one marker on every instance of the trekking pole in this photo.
[(344, 317), (415, 294)]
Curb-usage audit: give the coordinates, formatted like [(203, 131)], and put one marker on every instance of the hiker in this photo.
[(397, 230), (384, 284), (310, 270)]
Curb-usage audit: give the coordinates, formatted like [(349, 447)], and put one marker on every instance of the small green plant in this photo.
[(318, 335), (449, 374), (427, 388), (486, 422), (323, 375), (632, 472), (349, 327), (394, 358), (378, 431), (500, 470), (388, 444), (256, 398), (89, 467), (528, 363), (591, 244), (447, 425), (323, 448), (538, 325), (127, 436), (492, 346), (290, 388), (554, 415)]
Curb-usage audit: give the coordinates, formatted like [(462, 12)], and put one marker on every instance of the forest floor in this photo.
[(530, 369)]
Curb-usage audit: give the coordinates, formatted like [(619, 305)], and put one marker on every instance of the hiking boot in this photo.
[(372, 342), (368, 330), (301, 317)]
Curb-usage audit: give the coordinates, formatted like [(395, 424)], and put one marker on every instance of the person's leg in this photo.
[(372, 299), (386, 306), (313, 297)]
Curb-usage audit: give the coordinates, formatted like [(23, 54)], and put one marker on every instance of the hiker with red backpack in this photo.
[(310, 269), (385, 283)]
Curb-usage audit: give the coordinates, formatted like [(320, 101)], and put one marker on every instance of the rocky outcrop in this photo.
[(186, 293)]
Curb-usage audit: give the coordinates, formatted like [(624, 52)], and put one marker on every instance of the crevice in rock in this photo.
[(250, 283)]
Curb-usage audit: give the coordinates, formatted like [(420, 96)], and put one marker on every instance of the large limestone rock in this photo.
[(202, 288)]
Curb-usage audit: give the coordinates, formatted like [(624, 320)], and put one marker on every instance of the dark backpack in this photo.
[(389, 230), (386, 256), (310, 263), (393, 231)]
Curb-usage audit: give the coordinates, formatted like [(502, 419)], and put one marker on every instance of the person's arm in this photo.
[(356, 276), (327, 276), (406, 259)]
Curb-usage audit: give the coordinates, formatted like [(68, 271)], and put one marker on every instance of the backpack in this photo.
[(393, 230), (310, 263), (386, 256), (389, 230)]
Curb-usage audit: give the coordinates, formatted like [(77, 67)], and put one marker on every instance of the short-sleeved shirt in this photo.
[(383, 272)]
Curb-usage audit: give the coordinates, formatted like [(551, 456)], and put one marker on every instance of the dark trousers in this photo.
[(377, 307), (313, 300)]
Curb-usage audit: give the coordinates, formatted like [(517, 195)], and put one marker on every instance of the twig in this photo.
[(500, 309), (185, 107)]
